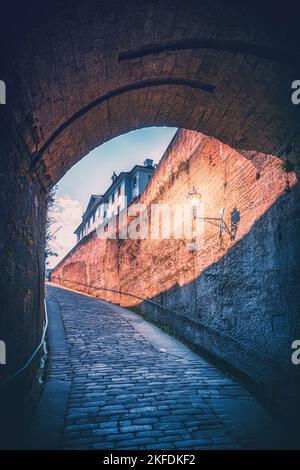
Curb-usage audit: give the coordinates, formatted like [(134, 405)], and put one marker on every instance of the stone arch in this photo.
[(99, 69), (79, 73)]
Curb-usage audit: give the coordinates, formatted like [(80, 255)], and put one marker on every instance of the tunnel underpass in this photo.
[(101, 69)]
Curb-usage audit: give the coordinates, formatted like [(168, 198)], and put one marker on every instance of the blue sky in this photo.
[(92, 175)]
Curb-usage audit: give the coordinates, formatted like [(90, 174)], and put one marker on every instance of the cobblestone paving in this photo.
[(127, 394)]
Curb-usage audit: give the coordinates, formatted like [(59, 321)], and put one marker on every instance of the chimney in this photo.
[(148, 163), (114, 177)]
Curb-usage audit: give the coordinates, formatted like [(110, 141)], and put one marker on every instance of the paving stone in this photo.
[(137, 427), (126, 394), (145, 420), (136, 442)]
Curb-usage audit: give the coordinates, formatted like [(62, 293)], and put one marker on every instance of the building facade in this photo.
[(125, 188)]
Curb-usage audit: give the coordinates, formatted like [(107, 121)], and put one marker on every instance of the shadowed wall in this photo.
[(79, 73), (238, 299)]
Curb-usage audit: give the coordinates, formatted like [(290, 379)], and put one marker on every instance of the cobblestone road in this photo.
[(128, 391)]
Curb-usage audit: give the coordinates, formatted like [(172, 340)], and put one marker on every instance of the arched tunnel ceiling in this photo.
[(80, 73)]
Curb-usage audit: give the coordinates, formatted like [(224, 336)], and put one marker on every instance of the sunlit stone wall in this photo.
[(236, 298)]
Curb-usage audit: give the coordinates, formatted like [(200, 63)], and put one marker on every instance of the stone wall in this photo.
[(237, 299), (213, 66), (222, 68), (23, 208)]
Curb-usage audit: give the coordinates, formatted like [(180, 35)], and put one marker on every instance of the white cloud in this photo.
[(65, 216)]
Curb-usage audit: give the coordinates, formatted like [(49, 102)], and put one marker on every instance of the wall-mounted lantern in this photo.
[(195, 198)]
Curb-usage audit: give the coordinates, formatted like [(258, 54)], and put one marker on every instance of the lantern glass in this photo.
[(194, 197)]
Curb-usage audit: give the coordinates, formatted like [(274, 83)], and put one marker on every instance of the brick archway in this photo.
[(81, 73), (88, 71)]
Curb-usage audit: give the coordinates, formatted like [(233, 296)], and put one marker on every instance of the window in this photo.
[(94, 216), (118, 210), (135, 181), (113, 198), (105, 214), (119, 191), (89, 223)]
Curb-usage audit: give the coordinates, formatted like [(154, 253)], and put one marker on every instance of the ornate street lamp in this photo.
[(195, 197)]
